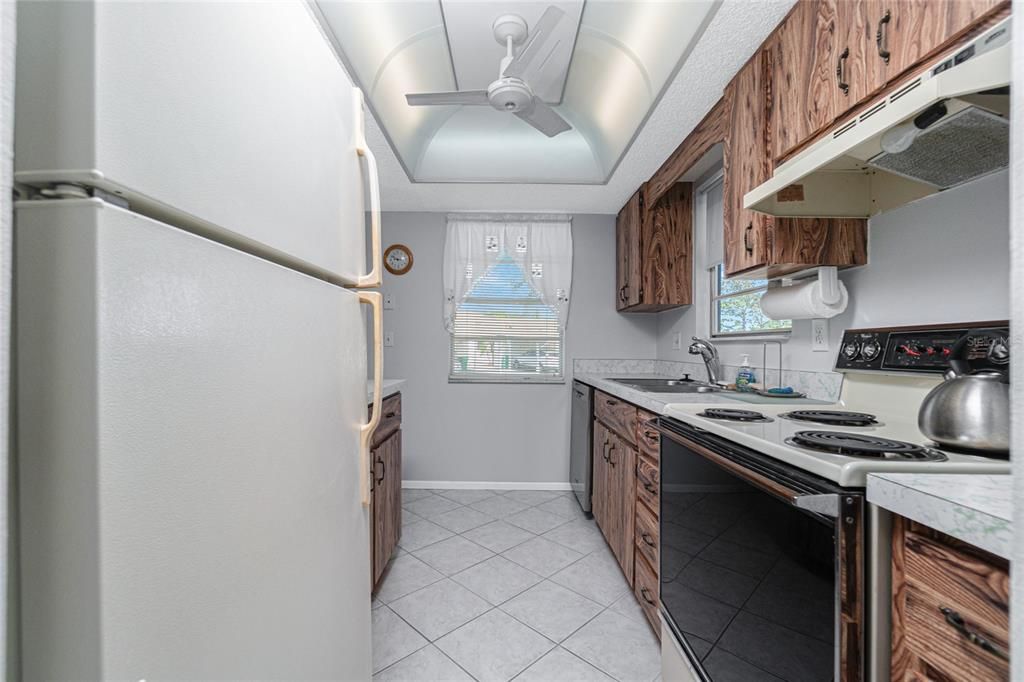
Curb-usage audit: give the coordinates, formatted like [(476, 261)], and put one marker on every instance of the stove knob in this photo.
[(850, 350), (870, 350)]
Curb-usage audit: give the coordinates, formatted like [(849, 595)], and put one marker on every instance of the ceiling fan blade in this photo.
[(544, 118), (538, 47), (465, 97)]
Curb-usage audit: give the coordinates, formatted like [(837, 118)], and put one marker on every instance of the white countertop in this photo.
[(975, 508), (391, 386)]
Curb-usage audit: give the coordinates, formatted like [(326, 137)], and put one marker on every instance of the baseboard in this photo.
[(487, 485)]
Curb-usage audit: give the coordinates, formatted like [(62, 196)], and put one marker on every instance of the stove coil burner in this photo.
[(863, 445), (832, 417), (726, 414)]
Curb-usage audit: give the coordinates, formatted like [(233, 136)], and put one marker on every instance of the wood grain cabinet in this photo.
[(654, 261), (755, 244), (386, 485), (950, 608)]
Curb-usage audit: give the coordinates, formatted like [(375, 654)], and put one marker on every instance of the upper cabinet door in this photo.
[(806, 86), (906, 32), (235, 116), (746, 166), (627, 248)]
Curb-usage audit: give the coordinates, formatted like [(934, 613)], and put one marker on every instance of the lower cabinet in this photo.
[(386, 486), (950, 618), (625, 494)]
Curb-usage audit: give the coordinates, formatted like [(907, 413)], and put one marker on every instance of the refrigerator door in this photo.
[(188, 440), (234, 119)]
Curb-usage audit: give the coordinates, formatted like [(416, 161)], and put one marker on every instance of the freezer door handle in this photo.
[(373, 299), (372, 279)]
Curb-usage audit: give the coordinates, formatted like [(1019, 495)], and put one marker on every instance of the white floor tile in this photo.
[(564, 506), (532, 497), (438, 609), (596, 577), (405, 574), (419, 535), (498, 536), (497, 579), (552, 610), (426, 665), (499, 506), (431, 506), (408, 518), (467, 496), (628, 606), (462, 519), (413, 494), (562, 666), (495, 646), (393, 638), (582, 536), (542, 556), (453, 555), (620, 646), (536, 521)]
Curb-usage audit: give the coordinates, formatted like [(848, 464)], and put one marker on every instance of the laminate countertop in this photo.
[(975, 508), (391, 386)]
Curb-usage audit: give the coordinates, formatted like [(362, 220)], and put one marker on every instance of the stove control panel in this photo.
[(924, 350)]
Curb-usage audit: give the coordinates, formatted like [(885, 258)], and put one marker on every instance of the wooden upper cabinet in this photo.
[(805, 91), (627, 253), (746, 165)]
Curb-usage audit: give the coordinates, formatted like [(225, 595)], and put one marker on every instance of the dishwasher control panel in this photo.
[(923, 349)]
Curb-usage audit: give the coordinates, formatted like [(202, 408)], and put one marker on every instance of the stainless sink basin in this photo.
[(652, 385)]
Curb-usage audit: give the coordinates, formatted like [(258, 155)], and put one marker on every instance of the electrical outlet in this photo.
[(819, 335), (389, 301), (389, 339), (677, 341)]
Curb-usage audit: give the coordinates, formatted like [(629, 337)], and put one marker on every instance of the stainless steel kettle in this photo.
[(970, 410)]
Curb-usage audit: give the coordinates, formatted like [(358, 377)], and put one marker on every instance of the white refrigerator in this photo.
[(190, 344)]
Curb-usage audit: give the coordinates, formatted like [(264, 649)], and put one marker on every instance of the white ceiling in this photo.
[(737, 28)]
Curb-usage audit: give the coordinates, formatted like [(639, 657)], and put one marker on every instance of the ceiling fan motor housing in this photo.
[(510, 94)]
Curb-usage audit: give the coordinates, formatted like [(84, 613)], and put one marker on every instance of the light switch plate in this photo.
[(389, 301), (819, 335), (389, 339), (677, 341)]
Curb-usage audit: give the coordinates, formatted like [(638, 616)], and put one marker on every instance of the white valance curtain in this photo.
[(541, 245)]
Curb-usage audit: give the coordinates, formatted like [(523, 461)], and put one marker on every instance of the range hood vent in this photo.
[(947, 126)]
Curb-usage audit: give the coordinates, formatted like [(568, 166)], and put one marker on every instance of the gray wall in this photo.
[(495, 432), (944, 258)]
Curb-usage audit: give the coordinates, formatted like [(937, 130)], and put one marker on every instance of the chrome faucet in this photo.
[(709, 354)]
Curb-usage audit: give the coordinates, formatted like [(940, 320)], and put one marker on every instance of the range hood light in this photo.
[(898, 139)]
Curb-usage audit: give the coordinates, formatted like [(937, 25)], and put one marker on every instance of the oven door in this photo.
[(761, 564)]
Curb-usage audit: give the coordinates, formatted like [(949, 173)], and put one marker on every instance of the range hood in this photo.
[(948, 126)]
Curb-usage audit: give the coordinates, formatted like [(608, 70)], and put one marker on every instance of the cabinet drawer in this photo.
[(390, 417), (647, 535), (647, 487), (941, 579), (647, 439), (617, 414), (645, 587)]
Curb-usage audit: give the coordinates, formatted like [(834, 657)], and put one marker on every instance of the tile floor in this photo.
[(500, 585)]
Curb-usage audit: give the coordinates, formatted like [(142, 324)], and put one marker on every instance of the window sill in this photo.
[(758, 336), (509, 380)]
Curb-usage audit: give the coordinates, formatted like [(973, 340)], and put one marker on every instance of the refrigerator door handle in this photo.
[(372, 279), (373, 299)]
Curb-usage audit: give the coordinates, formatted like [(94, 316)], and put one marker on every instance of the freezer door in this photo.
[(188, 457), (234, 118)]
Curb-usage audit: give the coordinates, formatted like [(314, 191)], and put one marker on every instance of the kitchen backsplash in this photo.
[(817, 385)]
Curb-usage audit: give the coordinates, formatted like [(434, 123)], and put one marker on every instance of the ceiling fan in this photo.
[(511, 91)]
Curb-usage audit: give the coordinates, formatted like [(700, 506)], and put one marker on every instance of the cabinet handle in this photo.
[(383, 470), (651, 488), (648, 539), (652, 437), (604, 450), (372, 279), (957, 621), (643, 593), (748, 244), (610, 451), (882, 36), (390, 415), (841, 71)]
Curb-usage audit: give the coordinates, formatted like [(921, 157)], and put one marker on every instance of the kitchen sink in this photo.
[(652, 385)]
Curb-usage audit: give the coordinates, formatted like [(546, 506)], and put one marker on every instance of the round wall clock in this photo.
[(398, 259)]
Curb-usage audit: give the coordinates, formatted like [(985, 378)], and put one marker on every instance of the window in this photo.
[(507, 298), (736, 306)]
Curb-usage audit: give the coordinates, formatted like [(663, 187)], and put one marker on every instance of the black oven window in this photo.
[(748, 580)]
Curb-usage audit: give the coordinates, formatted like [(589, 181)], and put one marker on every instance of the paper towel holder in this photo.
[(823, 296), (828, 279)]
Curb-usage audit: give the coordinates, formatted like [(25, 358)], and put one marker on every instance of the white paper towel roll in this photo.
[(801, 302)]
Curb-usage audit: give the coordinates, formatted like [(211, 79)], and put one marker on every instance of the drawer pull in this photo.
[(644, 592), (390, 415), (651, 488), (957, 621), (882, 36), (611, 403), (652, 437), (648, 539)]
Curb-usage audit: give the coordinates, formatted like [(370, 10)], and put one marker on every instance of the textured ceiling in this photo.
[(736, 30)]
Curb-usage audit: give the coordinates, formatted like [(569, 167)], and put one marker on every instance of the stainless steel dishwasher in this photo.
[(580, 462)]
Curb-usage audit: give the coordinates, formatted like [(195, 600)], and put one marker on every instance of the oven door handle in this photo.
[(824, 504)]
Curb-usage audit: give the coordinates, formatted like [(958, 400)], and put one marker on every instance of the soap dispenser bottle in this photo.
[(745, 376)]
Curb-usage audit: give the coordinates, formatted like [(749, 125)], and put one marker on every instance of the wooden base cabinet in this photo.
[(950, 618), (386, 486)]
